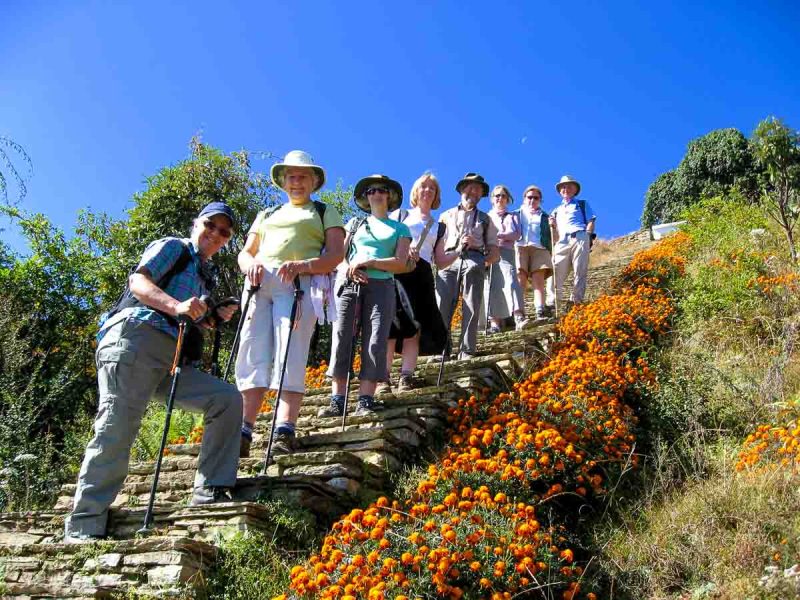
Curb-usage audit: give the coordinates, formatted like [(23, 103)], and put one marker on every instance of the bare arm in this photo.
[(396, 264), (248, 263), (147, 292), (590, 226), (441, 258)]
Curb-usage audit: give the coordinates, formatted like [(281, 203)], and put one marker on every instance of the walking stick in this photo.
[(488, 296), (356, 323), (215, 370), (234, 347), (556, 291), (176, 373), (453, 306), (298, 297)]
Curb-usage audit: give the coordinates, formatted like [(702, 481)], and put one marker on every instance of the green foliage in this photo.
[(147, 443), (256, 564), (720, 278), (777, 151), (714, 164)]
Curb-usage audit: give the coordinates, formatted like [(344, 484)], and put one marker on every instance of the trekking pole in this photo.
[(488, 296), (215, 370), (235, 346), (298, 297), (176, 373), (450, 321), (356, 323), (556, 291)]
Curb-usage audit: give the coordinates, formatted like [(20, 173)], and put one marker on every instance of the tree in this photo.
[(713, 165), (777, 150), (9, 149)]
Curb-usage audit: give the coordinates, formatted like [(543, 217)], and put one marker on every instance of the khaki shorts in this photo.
[(531, 259)]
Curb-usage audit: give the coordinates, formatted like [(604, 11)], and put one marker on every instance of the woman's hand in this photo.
[(356, 271), (255, 272), (413, 254), (291, 269)]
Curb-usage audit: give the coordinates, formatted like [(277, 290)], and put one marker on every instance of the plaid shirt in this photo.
[(158, 258)]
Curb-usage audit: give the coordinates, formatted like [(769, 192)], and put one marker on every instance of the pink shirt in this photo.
[(508, 229)]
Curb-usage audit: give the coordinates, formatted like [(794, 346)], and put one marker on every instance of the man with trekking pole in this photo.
[(472, 235), (572, 224), (137, 357), (283, 258)]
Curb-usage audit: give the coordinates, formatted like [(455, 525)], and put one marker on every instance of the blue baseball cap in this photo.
[(218, 208)]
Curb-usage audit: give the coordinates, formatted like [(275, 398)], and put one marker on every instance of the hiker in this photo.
[(135, 353), (282, 249), (376, 249), (427, 247), (471, 233), (504, 291), (534, 261), (573, 228)]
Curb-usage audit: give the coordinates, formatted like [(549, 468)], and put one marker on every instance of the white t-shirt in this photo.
[(414, 221)]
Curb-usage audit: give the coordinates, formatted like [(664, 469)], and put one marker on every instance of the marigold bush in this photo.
[(475, 526)]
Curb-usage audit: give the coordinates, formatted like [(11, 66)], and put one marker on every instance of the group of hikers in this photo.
[(384, 285)]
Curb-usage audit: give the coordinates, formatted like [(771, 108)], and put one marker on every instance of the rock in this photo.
[(170, 575)]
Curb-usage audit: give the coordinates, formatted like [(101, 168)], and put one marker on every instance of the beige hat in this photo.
[(568, 179), (296, 158), (473, 178), (395, 192)]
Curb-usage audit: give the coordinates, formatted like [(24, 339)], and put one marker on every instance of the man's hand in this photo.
[(226, 312), (193, 308)]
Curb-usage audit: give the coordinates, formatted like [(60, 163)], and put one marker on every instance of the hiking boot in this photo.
[(334, 409), (384, 387), (521, 322), (540, 314), (494, 329), (283, 443), (466, 355), (244, 446), (367, 406), (210, 494), (406, 383), (549, 310)]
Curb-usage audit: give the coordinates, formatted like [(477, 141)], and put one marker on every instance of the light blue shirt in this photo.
[(377, 238), (531, 224), (569, 217)]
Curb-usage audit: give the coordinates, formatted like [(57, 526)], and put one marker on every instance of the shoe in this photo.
[(521, 323), (384, 387), (465, 355), (82, 538), (244, 446), (540, 315), (494, 329), (367, 406), (334, 409), (405, 383), (550, 310), (210, 494), (283, 443)]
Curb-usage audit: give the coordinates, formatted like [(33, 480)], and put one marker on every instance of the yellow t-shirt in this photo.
[(292, 232)]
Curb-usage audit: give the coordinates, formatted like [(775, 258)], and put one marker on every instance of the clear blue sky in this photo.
[(102, 94)]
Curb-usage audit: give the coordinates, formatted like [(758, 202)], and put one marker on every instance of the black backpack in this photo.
[(128, 300)]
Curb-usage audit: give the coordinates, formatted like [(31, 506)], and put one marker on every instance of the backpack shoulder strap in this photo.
[(353, 229), (582, 206), (178, 267), (440, 231), (321, 206)]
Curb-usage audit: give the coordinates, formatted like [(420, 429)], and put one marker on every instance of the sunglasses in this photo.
[(375, 190), (501, 195), (533, 197), (212, 227)]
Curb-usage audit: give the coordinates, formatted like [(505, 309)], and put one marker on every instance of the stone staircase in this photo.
[(332, 472)]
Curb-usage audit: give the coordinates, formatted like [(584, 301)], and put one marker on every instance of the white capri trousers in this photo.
[(265, 330)]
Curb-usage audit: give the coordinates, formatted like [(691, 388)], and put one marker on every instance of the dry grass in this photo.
[(606, 251), (718, 535)]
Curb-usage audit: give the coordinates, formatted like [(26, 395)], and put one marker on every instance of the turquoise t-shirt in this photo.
[(376, 238)]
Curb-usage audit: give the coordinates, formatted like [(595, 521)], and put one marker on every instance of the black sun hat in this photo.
[(473, 178), (395, 191)]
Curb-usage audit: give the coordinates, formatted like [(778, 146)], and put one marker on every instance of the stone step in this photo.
[(151, 567)]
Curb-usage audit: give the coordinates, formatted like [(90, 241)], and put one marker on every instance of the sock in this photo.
[(247, 430), (284, 427)]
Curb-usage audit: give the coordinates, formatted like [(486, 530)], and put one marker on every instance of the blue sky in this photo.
[(102, 94)]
